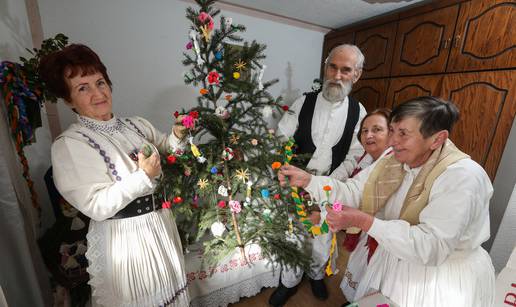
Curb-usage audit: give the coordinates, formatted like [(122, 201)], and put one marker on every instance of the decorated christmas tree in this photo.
[(222, 185)]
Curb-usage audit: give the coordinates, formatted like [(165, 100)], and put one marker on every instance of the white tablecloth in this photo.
[(229, 280)]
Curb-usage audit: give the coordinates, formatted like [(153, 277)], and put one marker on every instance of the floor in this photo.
[(304, 297)]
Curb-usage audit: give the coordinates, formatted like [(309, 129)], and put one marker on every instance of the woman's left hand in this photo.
[(348, 217)]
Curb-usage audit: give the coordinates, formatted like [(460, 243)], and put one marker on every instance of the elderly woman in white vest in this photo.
[(134, 251), (427, 208)]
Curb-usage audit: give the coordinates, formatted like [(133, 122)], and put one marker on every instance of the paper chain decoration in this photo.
[(300, 207)]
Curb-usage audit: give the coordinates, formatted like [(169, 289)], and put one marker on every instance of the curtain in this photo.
[(23, 277)]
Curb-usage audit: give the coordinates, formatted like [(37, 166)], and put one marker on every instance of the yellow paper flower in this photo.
[(202, 183), (236, 75), (240, 65), (242, 174)]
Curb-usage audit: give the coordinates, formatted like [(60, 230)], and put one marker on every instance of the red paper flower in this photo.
[(213, 77), (194, 114), (221, 204), (166, 205), (177, 200), (171, 159), (176, 114), (285, 108), (277, 196)]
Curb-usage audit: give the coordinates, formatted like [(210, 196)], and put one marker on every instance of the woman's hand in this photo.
[(151, 165), (296, 176), (179, 130), (348, 217)]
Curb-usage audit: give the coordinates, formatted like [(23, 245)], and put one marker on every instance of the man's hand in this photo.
[(151, 165), (296, 176), (348, 217), (179, 130)]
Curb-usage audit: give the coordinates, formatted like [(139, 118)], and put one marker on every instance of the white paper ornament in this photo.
[(217, 229), (267, 111), (223, 191), (228, 21), (222, 112)]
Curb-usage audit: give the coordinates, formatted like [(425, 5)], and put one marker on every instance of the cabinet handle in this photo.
[(445, 43), (456, 42)]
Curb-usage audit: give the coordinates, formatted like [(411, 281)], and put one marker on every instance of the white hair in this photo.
[(360, 56)]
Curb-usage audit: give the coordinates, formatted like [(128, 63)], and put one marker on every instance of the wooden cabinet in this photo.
[(371, 93), (487, 103), (423, 42), (461, 50), (377, 45), (483, 37), (403, 89)]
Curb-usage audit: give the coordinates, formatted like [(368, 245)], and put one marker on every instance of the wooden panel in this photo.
[(487, 103), (403, 89), (371, 93), (377, 45), (484, 39), (334, 41), (422, 42)]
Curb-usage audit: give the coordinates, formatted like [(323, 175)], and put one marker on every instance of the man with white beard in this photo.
[(325, 124)]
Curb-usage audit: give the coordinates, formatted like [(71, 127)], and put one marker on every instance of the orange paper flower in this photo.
[(276, 165), (203, 91), (327, 188)]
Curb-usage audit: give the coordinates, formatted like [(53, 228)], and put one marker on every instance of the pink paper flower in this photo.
[(189, 45), (206, 18), (166, 205), (188, 121), (337, 206), (235, 206)]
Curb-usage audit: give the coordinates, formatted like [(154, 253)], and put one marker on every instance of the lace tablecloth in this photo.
[(229, 280)]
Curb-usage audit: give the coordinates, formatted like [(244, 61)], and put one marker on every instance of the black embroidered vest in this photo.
[(303, 134)]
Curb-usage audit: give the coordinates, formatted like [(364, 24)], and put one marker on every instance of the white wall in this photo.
[(15, 36), (141, 43)]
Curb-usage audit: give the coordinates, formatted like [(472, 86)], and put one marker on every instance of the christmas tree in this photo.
[(221, 186)]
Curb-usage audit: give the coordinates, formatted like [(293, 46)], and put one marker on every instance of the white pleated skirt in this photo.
[(136, 262), (466, 278)]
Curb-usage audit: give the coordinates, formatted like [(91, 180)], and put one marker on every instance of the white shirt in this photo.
[(425, 264), (328, 122)]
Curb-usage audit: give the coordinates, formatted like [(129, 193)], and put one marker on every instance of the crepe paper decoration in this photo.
[(236, 75), (193, 36), (260, 76), (217, 229), (166, 205), (235, 206), (276, 165)]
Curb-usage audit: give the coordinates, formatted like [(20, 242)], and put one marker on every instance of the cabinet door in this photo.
[(371, 93), (377, 45), (483, 38), (405, 88), (423, 41), (487, 104), (334, 41)]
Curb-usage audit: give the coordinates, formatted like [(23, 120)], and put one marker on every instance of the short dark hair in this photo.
[(71, 60), (434, 113), (386, 113)]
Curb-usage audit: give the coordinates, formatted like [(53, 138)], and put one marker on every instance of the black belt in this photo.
[(141, 205)]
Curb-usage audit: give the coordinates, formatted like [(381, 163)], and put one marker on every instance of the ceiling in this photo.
[(330, 14)]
